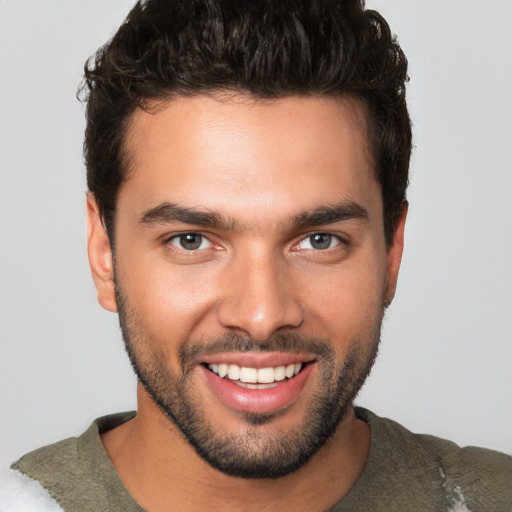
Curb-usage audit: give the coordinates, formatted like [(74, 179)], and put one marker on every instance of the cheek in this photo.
[(346, 302), (171, 299)]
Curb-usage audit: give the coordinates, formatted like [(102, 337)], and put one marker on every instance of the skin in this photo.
[(260, 164)]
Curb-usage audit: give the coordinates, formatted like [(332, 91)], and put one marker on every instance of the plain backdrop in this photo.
[(445, 361)]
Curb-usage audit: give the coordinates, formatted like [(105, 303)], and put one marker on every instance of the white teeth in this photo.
[(266, 375), (290, 370), (234, 371), (280, 373), (223, 370), (255, 386), (249, 375), (253, 377)]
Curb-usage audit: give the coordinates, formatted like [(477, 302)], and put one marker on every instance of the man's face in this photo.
[(249, 241)]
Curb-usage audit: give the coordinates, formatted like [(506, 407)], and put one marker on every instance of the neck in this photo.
[(158, 466)]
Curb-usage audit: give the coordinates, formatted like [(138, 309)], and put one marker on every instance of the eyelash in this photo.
[(331, 237), (341, 241), (178, 236)]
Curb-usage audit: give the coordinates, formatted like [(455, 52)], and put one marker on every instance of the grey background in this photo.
[(444, 366)]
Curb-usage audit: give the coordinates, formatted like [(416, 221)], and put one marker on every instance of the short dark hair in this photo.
[(264, 48)]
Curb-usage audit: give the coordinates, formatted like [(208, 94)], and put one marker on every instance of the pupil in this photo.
[(320, 241), (190, 241)]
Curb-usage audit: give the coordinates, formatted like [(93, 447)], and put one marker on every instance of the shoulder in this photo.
[(50, 462), (56, 469), (479, 478), (18, 493), (75, 472), (467, 478)]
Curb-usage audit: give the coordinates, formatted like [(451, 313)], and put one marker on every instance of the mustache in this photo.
[(290, 342)]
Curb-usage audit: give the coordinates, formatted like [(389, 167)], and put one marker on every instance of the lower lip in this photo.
[(258, 401)]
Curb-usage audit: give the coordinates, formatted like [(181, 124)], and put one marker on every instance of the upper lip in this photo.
[(257, 359)]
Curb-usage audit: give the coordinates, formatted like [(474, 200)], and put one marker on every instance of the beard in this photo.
[(259, 452)]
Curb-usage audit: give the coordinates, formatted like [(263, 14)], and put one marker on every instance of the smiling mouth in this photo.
[(256, 378)]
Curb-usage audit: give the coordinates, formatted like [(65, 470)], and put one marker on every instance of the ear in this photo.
[(395, 256), (100, 256)]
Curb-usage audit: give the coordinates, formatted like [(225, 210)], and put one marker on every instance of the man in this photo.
[(247, 166)]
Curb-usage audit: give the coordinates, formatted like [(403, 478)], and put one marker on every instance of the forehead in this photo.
[(242, 155)]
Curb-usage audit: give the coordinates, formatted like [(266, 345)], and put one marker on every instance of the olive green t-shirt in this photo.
[(404, 472)]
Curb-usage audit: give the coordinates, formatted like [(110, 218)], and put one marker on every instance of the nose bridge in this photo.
[(259, 298)]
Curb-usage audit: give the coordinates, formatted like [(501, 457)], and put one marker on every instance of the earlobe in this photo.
[(394, 257), (100, 256)]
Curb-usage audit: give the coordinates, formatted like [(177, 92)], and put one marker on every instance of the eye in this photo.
[(190, 241), (319, 242)]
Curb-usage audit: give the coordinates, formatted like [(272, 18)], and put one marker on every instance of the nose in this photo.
[(258, 298)]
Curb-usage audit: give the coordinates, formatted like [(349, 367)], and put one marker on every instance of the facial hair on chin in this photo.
[(257, 453)]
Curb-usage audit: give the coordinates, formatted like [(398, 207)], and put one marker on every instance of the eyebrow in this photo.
[(169, 212), (342, 211), (166, 213)]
